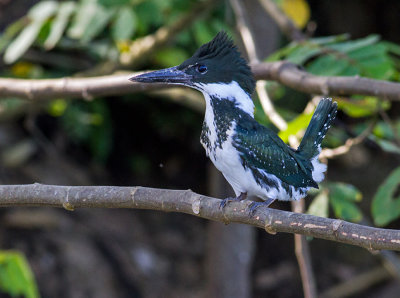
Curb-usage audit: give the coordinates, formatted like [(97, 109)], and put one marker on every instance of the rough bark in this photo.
[(284, 72), (186, 201)]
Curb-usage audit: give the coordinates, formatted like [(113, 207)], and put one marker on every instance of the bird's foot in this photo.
[(239, 198), (255, 205)]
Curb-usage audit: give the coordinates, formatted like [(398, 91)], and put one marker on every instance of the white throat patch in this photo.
[(230, 91)]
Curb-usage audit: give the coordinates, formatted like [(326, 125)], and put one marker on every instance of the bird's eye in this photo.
[(201, 68)]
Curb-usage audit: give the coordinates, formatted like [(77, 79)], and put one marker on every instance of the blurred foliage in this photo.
[(299, 124), (362, 107), (340, 56), (16, 278), (94, 31), (297, 10), (88, 123), (386, 202), (342, 198), (320, 205), (101, 27)]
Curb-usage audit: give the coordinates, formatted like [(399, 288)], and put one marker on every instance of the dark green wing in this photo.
[(261, 148)]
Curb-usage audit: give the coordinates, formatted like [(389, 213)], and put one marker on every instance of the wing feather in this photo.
[(261, 148)]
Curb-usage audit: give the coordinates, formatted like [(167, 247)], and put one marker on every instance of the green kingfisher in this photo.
[(252, 158)]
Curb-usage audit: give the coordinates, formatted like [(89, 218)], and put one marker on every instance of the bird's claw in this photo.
[(224, 202), (239, 198), (255, 205)]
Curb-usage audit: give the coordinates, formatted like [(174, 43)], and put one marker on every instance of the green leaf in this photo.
[(113, 3), (327, 40), (299, 53), (384, 130), (295, 126), (38, 16), (16, 277), (98, 23), (373, 61), (386, 145), (352, 45), (296, 53), (365, 56), (10, 32), (124, 25), (363, 107), (145, 12), (65, 10), (302, 53), (84, 14), (330, 65), (386, 203), (344, 190), (319, 206), (342, 198)]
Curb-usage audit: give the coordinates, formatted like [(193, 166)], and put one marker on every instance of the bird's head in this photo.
[(216, 63)]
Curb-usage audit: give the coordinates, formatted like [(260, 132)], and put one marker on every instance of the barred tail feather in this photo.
[(324, 114)]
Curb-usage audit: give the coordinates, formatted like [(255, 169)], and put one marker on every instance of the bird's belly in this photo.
[(227, 161), (243, 179)]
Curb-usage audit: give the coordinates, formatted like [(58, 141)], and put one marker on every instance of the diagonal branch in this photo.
[(250, 46), (343, 149), (283, 72), (283, 22), (186, 201)]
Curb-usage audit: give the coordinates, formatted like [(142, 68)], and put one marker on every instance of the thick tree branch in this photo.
[(87, 88), (283, 72), (291, 75), (186, 201)]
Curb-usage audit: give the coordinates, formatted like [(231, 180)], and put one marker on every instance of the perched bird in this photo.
[(252, 158)]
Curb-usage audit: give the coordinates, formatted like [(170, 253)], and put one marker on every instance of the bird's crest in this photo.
[(224, 62), (220, 45)]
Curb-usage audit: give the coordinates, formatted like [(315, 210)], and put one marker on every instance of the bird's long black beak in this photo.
[(170, 75)]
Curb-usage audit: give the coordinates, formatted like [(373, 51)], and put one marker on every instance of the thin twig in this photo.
[(358, 283), (302, 251), (250, 46), (186, 201), (283, 22), (343, 149)]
